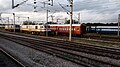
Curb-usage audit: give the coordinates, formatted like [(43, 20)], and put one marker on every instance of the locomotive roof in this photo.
[(31, 25)]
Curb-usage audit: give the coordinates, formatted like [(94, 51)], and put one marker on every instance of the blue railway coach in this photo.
[(102, 29)]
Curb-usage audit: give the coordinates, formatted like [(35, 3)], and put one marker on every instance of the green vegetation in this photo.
[(35, 23), (28, 23), (73, 22), (51, 23)]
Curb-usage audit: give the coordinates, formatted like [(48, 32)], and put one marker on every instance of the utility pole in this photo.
[(47, 14), (0, 16), (78, 17), (57, 20), (13, 4), (119, 25), (14, 21), (65, 20), (28, 18), (71, 13), (8, 22), (52, 17), (18, 19), (47, 20)]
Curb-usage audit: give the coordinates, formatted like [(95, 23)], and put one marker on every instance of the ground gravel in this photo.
[(33, 57)]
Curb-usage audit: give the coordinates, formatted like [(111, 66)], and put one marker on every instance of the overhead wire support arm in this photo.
[(14, 6), (23, 2)]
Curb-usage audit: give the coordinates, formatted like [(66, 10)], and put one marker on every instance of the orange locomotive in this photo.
[(35, 29)]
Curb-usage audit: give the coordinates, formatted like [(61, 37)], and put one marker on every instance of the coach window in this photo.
[(74, 28), (36, 27), (77, 28)]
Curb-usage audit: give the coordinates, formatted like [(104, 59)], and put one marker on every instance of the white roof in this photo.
[(31, 25), (55, 25), (64, 24), (104, 26)]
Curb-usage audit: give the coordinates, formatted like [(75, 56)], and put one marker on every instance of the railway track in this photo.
[(10, 59), (103, 37), (76, 47), (97, 42), (85, 40), (86, 55)]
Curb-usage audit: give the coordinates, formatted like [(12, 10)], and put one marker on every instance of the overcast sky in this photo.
[(90, 10)]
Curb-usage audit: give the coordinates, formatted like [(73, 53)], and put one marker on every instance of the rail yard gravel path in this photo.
[(34, 58), (6, 61)]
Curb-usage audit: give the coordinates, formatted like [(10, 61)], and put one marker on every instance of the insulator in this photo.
[(34, 7), (35, 2)]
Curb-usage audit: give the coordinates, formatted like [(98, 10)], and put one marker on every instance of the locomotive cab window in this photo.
[(17, 26), (41, 26), (26, 26), (36, 27), (47, 26)]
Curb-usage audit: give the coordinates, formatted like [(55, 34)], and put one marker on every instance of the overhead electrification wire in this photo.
[(64, 8)]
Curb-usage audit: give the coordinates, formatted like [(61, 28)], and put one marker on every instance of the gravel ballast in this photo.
[(33, 57)]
